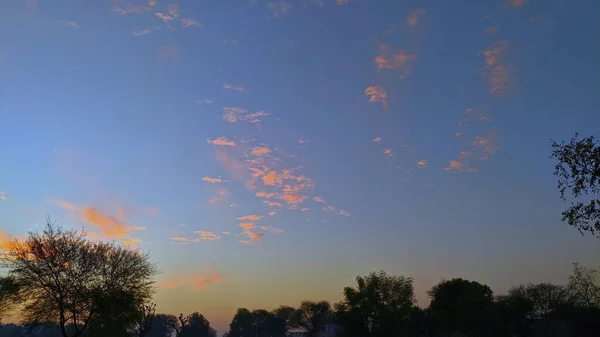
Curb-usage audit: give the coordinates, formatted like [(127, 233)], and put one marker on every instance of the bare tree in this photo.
[(67, 279)]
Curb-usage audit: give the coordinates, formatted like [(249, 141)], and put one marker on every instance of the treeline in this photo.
[(61, 284)]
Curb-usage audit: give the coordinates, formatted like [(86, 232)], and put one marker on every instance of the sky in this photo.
[(267, 152)]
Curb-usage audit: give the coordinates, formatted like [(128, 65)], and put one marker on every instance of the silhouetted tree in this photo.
[(9, 290), (380, 305), (144, 323), (312, 316), (460, 305), (584, 287), (192, 325), (163, 326), (578, 170), (67, 279)]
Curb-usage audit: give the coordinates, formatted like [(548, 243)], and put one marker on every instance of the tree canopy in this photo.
[(578, 172)]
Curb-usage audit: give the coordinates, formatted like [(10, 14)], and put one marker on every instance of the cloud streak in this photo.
[(221, 141), (195, 282)]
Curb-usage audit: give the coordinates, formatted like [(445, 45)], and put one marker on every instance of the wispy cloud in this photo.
[(260, 150), (164, 17), (3, 195), (515, 3), (458, 166), (496, 71), (131, 9), (377, 139), (388, 152), (491, 30), (204, 101), (318, 199), (212, 180), (72, 24), (414, 17), (250, 217), (208, 236), (232, 87), (192, 282), (387, 59), (106, 225), (377, 94), (303, 140), (221, 141), (252, 236), (237, 114), (345, 213), (422, 163), (486, 144), (272, 229), (138, 32), (222, 194), (278, 8), (190, 23)]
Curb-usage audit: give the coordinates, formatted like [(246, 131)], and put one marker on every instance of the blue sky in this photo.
[(410, 136)]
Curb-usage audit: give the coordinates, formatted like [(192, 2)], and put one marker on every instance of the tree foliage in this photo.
[(578, 172), (312, 316), (67, 279), (380, 305), (9, 290)]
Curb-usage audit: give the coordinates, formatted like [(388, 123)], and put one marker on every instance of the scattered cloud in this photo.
[(260, 150), (221, 141), (272, 213), (515, 3), (252, 236), (237, 114), (225, 233), (232, 87), (377, 94), (222, 193), (3, 195), (208, 236), (72, 24), (377, 139), (345, 213), (318, 199), (173, 10), (486, 144), (250, 217), (190, 23), (414, 17), (422, 163), (388, 152), (212, 180), (131, 10), (303, 140), (204, 101), (192, 282), (163, 17), (458, 166), (278, 8)]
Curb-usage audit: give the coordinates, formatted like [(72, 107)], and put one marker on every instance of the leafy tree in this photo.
[(312, 316), (584, 287), (242, 324), (380, 305), (67, 279), (578, 170), (162, 326), (462, 305)]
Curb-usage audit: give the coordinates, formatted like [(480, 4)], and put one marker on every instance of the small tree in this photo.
[(578, 170), (67, 279)]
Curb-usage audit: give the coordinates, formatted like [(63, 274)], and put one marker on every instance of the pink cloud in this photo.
[(221, 141), (192, 282), (377, 139), (212, 180), (414, 17), (377, 94)]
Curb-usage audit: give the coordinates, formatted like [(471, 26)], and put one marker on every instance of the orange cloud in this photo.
[(388, 153), (272, 203), (248, 230), (486, 144), (496, 72), (272, 179), (377, 139), (265, 195), (260, 150), (225, 233), (377, 94), (515, 3), (388, 60), (272, 213), (271, 229), (192, 282), (414, 17), (250, 217), (221, 141), (456, 166), (212, 180), (422, 163), (232, 87), (207, 236)]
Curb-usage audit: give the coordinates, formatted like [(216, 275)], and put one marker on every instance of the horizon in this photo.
[(268, 152)]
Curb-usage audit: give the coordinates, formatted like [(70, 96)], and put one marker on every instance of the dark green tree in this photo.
[(67, 279), (459, 305), (578, 172), (380, 305), (312, 316)]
